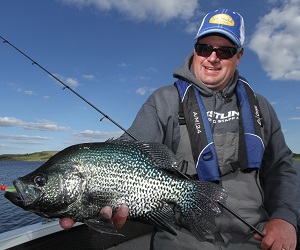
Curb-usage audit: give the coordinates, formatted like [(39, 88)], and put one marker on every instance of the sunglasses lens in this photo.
[(203, 50), (226, 52)]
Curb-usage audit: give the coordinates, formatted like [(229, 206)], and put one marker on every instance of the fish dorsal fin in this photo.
[(160, 155)]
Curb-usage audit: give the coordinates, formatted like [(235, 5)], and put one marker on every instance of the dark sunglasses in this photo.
[(223, 52)]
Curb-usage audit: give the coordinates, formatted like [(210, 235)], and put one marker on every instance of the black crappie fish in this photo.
[(79, 180)]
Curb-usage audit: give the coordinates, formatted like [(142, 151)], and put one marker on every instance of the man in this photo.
[(228, 135)]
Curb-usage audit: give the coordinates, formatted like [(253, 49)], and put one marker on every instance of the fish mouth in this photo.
[(15, 197), (24, 196)]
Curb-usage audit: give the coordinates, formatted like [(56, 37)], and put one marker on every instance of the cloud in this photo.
[(89, 77), (42, 125), (141, 91), (27, 92), (72, 82), (276, 41), (69, 81), (20, 90), (140, 10), (10, 122), (89, 135), (122, 65), (142, 78), (144, 90), (152, 69), (22, 137), (295, 118)]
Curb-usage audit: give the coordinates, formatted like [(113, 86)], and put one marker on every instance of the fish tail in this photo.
[(200, 207)]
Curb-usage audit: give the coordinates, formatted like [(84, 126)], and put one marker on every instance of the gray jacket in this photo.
[(256, 196)]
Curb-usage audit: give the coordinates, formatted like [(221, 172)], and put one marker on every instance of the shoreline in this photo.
[(38, 156)]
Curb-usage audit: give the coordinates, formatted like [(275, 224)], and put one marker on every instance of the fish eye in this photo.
[(40, 180)]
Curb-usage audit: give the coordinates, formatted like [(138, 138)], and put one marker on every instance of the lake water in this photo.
[(13, 217)]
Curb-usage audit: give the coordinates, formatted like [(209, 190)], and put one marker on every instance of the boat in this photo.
[(50, 235)]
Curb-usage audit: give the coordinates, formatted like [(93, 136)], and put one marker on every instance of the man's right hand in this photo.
[(118, 219)]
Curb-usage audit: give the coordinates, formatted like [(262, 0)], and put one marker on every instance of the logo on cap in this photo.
[(223, 19)]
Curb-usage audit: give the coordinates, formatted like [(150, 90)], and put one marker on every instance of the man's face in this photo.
[(212, 71)]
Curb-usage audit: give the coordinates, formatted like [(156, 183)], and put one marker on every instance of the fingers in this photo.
[(66, 223), (107, 211), (257, 237), (120, 217)]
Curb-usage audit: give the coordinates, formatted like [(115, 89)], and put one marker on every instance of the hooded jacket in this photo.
[(257, 196)]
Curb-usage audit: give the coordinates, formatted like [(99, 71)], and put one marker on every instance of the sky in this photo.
[(116, 53)]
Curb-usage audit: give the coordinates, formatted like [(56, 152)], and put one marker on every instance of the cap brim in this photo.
[(223, 32)]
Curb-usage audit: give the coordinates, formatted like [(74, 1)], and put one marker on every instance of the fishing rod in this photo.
[(69, 88), (119, 126), (241, 219)]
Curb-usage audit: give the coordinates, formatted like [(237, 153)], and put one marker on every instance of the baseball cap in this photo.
[(226, 22)]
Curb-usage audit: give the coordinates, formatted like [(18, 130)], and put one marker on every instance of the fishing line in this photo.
[(69, 88), (118, 125)]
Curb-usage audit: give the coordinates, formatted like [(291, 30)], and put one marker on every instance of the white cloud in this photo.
[(144, 90), (27, 92), (152, 69), (10, 122), (142, 78), (20, 90), (90, 136), (141, 91), (42, 125), (276, 41), (89, 77), (72, 82), (141, 10), (23, 138), (69, 81), (122, 65)]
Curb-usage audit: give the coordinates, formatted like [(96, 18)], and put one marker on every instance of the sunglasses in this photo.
[(222, 52)]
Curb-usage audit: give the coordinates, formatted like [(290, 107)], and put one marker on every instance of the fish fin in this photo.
[(163, 218), (159, 154), (102, 224), (201, 209)]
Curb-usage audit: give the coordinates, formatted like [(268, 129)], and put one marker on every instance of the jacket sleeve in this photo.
[(157, 120), (278, 175)]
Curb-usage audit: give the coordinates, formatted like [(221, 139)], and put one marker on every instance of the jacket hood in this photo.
[(185, 73)]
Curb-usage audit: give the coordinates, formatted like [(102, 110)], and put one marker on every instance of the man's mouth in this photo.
[(211, 68)]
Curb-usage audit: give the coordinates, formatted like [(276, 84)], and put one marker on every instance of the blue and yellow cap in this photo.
[(226, 22)]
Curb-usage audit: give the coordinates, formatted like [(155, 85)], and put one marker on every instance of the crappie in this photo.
[(79, 180)]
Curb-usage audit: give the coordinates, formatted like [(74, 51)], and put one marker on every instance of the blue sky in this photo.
[(115, 53)]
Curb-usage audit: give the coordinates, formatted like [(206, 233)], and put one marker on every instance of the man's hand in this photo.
[(118, 219), (279, 235)]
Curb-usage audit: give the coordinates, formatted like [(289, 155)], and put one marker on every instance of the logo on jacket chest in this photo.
[(197, 122), (217, 117)]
